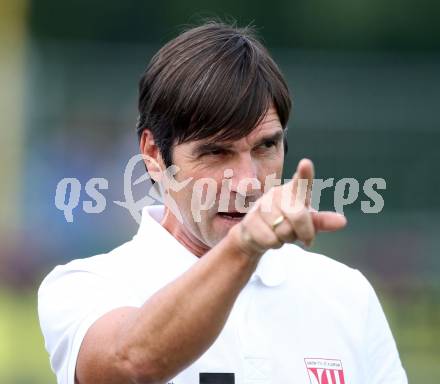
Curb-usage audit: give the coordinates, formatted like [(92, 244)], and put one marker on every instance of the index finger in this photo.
[(328, 221), (305, 172)]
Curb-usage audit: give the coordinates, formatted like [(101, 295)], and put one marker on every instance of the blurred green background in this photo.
[(365, 80)]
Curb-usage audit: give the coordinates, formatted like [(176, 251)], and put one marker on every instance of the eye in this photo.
[(268, 144), (215, 152)]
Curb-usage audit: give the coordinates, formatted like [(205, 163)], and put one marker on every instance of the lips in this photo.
[(231, 215)]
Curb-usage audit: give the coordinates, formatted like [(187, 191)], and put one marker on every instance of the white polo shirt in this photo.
[(301, 318)]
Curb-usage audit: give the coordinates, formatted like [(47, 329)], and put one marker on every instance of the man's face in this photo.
[(256, 156)]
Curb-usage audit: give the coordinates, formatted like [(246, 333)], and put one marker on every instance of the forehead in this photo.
[(269, 124), (268, 127)]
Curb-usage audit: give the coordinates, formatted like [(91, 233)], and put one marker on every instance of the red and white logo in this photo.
[(325, 371)]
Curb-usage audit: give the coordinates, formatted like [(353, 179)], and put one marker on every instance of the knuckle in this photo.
[(271, 239), (300, 216)]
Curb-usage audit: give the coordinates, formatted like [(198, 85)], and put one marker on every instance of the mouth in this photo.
[(231, 216)]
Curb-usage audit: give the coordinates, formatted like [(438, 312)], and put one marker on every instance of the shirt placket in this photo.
[(256, 363)]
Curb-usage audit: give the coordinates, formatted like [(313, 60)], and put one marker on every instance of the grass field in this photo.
[(414, 319), (415, 322), (23, 359)]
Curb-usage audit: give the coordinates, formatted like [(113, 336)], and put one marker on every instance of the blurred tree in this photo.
[(348, 24)]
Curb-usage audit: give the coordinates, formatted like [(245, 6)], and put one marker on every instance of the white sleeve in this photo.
[(69, 302), (382, 362)]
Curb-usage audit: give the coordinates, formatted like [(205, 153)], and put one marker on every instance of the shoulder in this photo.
[(324, 275), (73, 296), (118, 269), (138, 266), (317, 264), (106, 265)]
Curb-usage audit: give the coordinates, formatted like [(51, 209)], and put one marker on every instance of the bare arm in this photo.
[(173, 328)]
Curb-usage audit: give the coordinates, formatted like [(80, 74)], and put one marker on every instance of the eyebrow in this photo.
[(209, 147), (277, 137)]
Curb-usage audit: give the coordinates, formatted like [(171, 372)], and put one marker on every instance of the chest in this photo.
[(273, 336)]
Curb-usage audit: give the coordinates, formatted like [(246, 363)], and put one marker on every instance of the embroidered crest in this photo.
[(325, 371)]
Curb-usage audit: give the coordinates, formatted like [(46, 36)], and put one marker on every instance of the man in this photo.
[(207, 293)]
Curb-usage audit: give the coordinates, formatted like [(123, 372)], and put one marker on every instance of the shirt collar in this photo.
[(271, 269)]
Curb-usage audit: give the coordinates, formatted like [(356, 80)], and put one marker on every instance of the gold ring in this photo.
[(277, 221)]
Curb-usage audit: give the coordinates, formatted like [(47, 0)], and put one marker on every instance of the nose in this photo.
[(245, 176)]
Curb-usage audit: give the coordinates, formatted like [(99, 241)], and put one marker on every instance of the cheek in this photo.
[(270, 167), (199, 197)]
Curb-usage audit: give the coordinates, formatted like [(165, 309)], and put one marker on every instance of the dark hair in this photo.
[(215, 80)]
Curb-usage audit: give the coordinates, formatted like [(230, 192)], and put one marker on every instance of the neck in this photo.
[(182, 234)]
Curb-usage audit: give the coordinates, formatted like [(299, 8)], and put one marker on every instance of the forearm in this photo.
[(177, 324)]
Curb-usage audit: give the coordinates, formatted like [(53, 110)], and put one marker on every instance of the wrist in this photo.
[(242, 245)]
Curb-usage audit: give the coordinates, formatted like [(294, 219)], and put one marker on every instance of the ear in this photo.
[(152, 157)]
